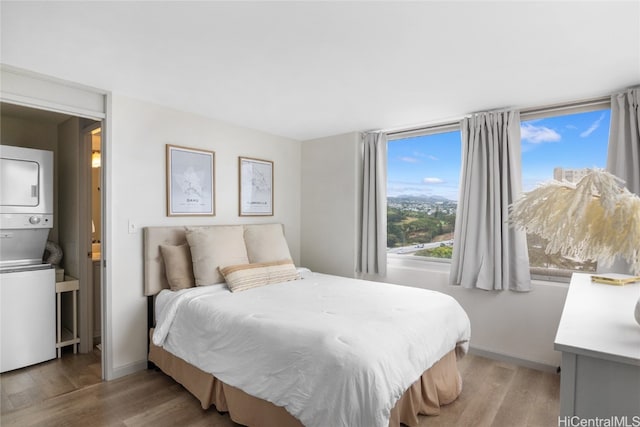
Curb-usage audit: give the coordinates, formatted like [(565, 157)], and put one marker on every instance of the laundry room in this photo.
[(62, 154)]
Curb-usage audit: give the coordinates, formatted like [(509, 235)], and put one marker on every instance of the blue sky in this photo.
[(430, 165)]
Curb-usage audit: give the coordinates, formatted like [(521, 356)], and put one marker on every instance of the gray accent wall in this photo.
[(329, 204)]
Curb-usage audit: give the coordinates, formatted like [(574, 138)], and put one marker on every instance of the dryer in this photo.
[(27, 285)]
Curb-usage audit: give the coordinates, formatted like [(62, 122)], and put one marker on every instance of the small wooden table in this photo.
[(64, 336), (600, 344)]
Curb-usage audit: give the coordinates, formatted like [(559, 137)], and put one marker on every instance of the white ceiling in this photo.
[(311, 69)]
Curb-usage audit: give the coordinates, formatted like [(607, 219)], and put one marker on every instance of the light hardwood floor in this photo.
[(24, 388), (494, 394)]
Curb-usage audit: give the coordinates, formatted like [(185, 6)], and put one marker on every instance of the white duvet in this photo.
[(332, 351)]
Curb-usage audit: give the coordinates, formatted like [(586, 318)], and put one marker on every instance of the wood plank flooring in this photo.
[(26, 387), (494, 394)]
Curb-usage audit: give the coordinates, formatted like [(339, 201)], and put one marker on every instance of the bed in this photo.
[(276, 345)]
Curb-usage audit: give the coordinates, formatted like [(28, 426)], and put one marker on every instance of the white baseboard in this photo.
[(514, 360), (129, 369)]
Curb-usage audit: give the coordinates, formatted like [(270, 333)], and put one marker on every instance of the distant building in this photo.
[(571, 175)]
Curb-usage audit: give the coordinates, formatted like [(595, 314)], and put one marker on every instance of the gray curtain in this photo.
[(623, 157), (373, 232), (488, 253)]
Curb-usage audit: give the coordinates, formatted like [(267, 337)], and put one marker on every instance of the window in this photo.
[(561, 147), (423, 174)]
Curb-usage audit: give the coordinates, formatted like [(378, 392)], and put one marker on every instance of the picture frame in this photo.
[(190, 177), (255, 177)]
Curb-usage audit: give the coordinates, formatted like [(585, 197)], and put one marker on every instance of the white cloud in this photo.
[(433, 180), (538, 134), (424, 156), (595, 125), (409, 159)]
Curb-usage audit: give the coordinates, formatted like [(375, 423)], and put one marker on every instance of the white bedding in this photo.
[(333, 351)]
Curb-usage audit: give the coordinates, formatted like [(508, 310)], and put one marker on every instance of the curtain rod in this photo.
[(432, 128), (524, 112), (586, 103)]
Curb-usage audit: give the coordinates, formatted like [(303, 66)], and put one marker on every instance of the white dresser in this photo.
[(600, 344)]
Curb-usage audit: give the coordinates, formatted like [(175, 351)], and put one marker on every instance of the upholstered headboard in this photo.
[(155, 278)]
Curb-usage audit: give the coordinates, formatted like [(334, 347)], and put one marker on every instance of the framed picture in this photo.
[(256, 187), (190, 181)]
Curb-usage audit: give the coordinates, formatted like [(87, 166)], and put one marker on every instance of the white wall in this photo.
[(330, 204), (135, 162), (512, 325), (69, 195)]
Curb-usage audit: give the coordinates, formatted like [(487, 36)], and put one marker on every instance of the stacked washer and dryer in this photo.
[(27, 285)]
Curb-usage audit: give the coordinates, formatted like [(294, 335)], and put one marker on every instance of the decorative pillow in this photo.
[(212, 247), (266, 243), (247, 276), (177, 266)]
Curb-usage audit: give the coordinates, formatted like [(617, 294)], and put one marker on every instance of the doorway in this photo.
[(92, 205), (78, 221)]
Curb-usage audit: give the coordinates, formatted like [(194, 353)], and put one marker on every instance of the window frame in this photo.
[(434, 129), (526, 114)]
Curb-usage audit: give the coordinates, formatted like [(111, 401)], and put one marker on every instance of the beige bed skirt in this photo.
[(439, 385)]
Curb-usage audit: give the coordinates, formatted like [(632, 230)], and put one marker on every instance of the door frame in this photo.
[(86, 314), (29, 89)]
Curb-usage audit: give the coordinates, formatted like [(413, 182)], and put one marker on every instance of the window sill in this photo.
[(442, 265)]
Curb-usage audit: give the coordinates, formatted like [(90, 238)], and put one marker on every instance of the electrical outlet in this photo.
[(133, 228)]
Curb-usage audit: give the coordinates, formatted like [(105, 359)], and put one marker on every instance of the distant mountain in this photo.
[(419, 199)]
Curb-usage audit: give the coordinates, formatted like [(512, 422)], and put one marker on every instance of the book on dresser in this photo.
[(614, 279)]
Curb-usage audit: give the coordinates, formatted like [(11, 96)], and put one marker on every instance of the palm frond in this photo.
[(597, 218)]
